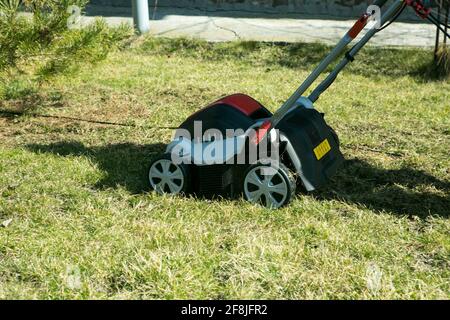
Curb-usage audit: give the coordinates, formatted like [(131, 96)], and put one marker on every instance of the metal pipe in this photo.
[(141, 18), (313, 76), (380, 3), (391, 12), (336, 52), (446, 23), (438, 31)]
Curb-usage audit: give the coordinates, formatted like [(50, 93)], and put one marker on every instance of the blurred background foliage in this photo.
[(41, 38)]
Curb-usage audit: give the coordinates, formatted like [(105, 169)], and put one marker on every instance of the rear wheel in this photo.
[(270, 186), (167, 177)]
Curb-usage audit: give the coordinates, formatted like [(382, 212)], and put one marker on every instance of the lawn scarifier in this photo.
[(307, 146)]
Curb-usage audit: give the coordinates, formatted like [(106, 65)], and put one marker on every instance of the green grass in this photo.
[(85, 226)]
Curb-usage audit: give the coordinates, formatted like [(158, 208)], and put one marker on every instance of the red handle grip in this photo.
[(358, 26)]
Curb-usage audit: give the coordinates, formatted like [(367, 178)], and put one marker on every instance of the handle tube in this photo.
[(333, 55), (380, 3), (391, 12)]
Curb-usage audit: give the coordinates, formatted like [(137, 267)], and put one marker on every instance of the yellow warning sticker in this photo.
[(322, 149)]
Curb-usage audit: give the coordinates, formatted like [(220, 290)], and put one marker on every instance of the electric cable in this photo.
[(437, 24), (397, 15), (440, 22), (100, 122)]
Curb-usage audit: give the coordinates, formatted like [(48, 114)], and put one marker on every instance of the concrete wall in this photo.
[(335, 8)]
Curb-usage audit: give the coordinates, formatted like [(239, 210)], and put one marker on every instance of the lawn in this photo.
[(83, 224)]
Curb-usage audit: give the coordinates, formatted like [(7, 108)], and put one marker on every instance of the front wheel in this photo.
[(167, 177), (268, 185)]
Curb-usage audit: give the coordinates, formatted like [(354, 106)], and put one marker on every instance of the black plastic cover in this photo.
[(220, 117), (306, 129)]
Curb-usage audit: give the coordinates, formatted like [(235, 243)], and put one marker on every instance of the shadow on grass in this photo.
[(22, 97), (291, 55), (433, 71), (402, 192), (124, 164), (372, 62)]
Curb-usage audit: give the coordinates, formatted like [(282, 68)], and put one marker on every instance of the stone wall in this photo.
[(334, 8)]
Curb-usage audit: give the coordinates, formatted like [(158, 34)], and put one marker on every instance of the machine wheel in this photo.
[(272, 187), (168, 177)]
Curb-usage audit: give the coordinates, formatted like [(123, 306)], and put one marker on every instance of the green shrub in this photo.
[(443, 61), (37, 41)]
